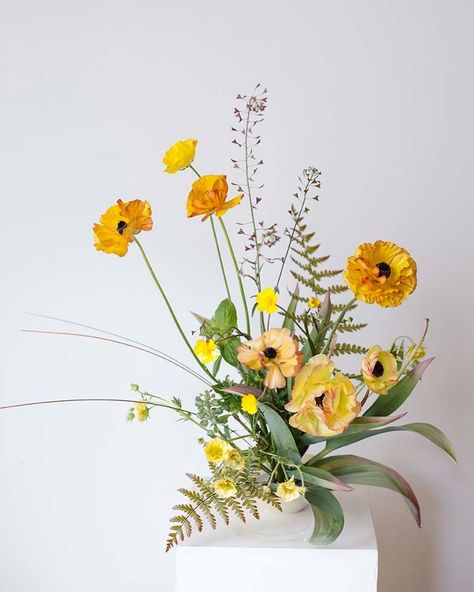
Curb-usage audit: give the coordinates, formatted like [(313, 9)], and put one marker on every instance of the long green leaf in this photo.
[(399, 393), (289, 321), (281, 435), (328, 516), (359, 470), (321, 478), (426, 430)]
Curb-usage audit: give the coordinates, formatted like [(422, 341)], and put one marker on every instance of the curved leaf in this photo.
[(359, 470), (225, 317), (281, 435), (321, 478), (399, 393), (228, 348), (289, 321), (328, 516)]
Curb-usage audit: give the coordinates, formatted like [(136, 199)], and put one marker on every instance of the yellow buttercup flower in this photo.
[(142, 412), (379, 370), (206, 350), (208, 196), (180, 155), (289, 490), (119, 225), (225, 488), (314, 302), (235, 460), (267, 301), (381, 273), (322, 404), (276, 351), (249, 404), (216, 450)]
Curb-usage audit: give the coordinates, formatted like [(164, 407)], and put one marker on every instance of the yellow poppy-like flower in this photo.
[(180, 155), (420, 353), (267, 301), (234, 460), (314, 302), (225, 488), (322, 404), (119, 225), (249, 404), (382, 273), (276, 351), (379, 370), (206, 350), (208, 196), (216, 450), (142, 413), (289, 490)]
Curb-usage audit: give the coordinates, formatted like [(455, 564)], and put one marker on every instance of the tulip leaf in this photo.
[(228, 348), (398, 394), (281, 435), (328, 516), (242, 389), (321, 478), (289, 322), (319, 331), (358, 470), (426, 430)]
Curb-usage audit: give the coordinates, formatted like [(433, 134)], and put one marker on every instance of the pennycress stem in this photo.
[(170, 309)]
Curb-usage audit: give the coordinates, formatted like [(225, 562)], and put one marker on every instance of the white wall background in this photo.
[(377, 94)]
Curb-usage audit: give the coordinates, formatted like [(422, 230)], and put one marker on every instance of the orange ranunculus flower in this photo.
[(208, 196), (323, 404), (277, 352), (119, 225)]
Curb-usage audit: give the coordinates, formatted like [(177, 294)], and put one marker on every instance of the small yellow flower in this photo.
[(382, 273), (208, 196), (206, 350), (142, 412), (289, 491), (225, 488), (419, 354), (379, 370), (249, 404), (267, 301), (314, 302), (235, 460), (216, 450), (119, 225), (180, 156)]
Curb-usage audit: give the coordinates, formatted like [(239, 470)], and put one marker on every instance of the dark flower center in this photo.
[(319, 400), (270, 353), (377, 369), (384, 269), (121, 226)]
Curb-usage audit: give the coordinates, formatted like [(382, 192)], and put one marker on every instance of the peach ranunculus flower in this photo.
[(379, 370), (322, 404), (382, 273), (208, 196), (180, 155), (276, 351), (119, 225)]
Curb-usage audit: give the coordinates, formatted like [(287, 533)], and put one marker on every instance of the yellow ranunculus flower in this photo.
[(267, 301), (381, 273), (277, 351), (235, 460), (180, 155), (249, 404), (208, 196), (119, 225), (289, 491), (142, 413), (419, 354), (206, 350), (314, 302), (225, 488), (216, 450), (379, 370), (322, 404)]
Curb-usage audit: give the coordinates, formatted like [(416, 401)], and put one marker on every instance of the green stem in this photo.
[(336, 324), (170, 309), (213, 226), (237, 271)]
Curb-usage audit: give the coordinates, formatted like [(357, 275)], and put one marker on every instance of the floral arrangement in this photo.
[(276, 402)]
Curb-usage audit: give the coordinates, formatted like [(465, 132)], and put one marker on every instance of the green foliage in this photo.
[(328, 516)]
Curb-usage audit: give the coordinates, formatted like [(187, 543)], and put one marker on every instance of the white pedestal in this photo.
[(272, 554)]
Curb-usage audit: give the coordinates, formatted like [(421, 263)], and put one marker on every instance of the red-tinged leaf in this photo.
[(241, 389), (399, 393), (328, 516), (366, 422), (362, 471), (321, 478)]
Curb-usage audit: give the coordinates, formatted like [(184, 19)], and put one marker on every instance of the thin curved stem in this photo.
[(170, 309), (87, 400), (221, 263)]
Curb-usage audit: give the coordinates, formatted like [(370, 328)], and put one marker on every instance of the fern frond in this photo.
[(350, 327), (349, 348)]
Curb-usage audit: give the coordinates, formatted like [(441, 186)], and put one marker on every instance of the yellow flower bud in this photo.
[(216, 450), (142, 412), (267, 301), (249, 404), (180, 155)]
